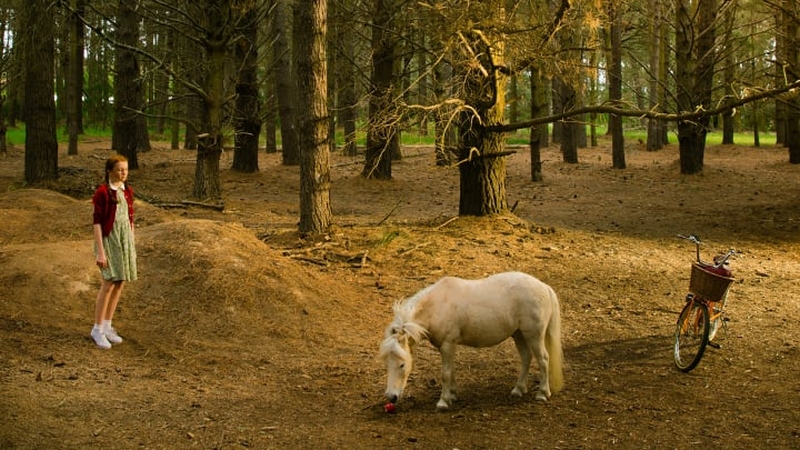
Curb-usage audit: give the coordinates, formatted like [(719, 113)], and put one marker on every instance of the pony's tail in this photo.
[(553, 345)]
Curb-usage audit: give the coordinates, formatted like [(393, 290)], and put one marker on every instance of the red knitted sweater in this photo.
[(105, 208)]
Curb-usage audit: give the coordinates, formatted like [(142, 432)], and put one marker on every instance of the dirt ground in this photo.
[(241, 334)]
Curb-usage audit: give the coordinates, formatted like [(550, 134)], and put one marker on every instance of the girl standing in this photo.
[(114, 245)]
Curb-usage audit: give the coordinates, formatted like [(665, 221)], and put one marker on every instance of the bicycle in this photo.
[(704, 312)]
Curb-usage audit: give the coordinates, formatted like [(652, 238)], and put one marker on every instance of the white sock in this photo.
[(106, 325), (97, 327)]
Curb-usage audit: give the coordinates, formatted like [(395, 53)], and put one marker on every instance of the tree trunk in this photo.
[(209, 140), (569, 132), (271, 111), (756, 132), (99, 92), (310, 39), (781, 48), (694, 43), (729, 78), (654, 141), (538, 108), (269, 87), (74, 77), (127, 85), (382, 128), (615, 86), (792, 11), (444, 127), (482, 165), (41, 146), (286, 89), (3, 127), (247, 119), (567, 80)]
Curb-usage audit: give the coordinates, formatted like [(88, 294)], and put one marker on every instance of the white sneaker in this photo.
[(112, 336), (100, 339)]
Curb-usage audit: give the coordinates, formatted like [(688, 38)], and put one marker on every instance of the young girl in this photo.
[(115, 249)]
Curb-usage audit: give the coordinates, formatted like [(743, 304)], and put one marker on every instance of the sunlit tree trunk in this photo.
[(310, 43)]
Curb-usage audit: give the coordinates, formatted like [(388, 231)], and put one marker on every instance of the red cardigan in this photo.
[(105, 209)]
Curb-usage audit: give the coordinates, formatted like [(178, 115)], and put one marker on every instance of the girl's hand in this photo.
[(101, 261)]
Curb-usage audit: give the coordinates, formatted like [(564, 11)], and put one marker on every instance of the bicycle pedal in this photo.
[(714, 344)]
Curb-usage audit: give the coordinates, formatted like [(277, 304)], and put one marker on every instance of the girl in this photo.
[(114, 245)]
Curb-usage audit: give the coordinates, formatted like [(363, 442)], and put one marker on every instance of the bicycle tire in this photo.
[(691, 335)]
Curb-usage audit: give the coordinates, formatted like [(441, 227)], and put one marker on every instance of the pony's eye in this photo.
[(402, 366)]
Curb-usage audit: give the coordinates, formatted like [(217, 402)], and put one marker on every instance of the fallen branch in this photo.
[(413, 249), (396, 205), (187, 203), (447, 223), (318, 262)]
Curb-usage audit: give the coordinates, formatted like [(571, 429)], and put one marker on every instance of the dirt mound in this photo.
[(216, 282)]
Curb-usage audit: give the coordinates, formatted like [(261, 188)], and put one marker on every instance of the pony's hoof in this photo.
[(442, 406), (541, 396), (516, 392)]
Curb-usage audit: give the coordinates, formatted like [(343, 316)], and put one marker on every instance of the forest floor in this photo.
[(241, 334)]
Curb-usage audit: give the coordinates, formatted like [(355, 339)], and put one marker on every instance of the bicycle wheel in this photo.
[(718, 309), (691, 335)]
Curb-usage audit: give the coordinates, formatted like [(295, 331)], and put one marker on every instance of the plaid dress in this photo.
[(119, 246)]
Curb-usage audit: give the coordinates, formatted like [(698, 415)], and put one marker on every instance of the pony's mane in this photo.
[(403, 326)]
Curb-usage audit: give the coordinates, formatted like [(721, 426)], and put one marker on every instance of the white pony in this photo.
[(477, 313)]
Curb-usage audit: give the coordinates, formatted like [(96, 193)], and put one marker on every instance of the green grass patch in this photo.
[(16, 136)]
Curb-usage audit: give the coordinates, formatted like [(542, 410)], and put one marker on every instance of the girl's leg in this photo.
[(113, 300), (103, 302)]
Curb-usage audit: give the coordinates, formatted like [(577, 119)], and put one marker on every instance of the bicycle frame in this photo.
[(700, 317)]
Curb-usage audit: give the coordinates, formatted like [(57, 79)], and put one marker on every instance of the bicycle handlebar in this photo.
[(719, 260)]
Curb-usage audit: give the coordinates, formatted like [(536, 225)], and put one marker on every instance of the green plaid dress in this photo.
[(119, 246)]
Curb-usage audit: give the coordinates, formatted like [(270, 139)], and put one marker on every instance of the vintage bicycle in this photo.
[(704, 311)]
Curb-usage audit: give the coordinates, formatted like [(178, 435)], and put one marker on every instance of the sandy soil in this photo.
[(241, 334)]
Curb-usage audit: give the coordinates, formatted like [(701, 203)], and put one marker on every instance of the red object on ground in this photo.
[(389, 408)]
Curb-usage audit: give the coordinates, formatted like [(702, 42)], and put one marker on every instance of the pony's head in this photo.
[(399, 338)]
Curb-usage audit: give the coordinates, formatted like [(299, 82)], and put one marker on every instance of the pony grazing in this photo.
[(477, 313)]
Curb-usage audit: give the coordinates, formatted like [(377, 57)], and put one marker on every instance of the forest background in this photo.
[(249, 74)]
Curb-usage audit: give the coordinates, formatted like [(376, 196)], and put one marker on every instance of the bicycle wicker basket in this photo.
[(708, 285)]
